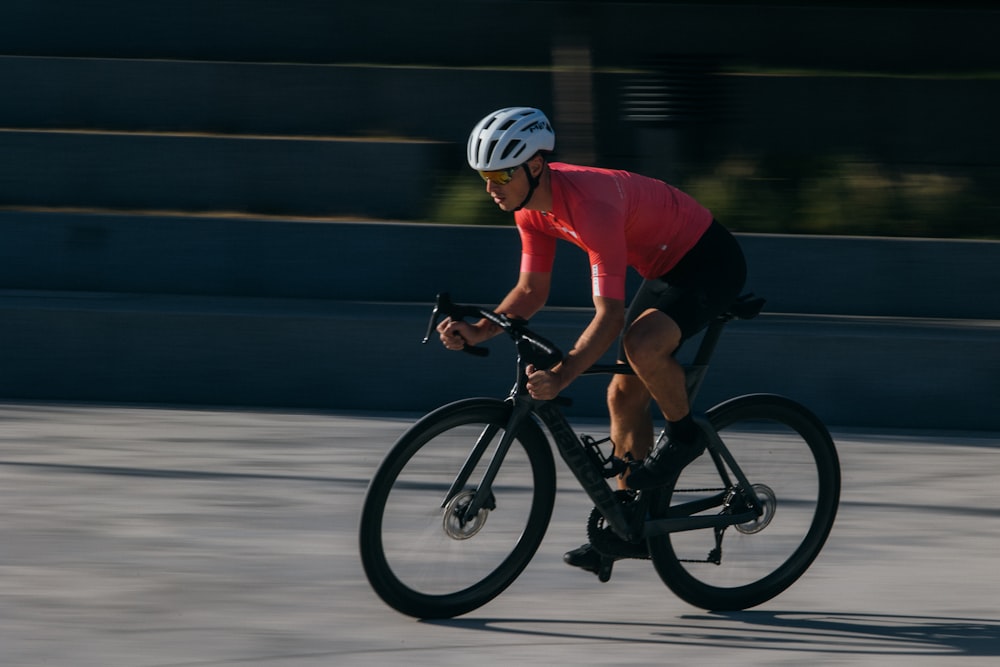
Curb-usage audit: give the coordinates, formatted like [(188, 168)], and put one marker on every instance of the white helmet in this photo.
[(508, 138)]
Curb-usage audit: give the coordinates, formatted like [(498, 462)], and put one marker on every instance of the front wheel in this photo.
[(789, 459), (424, 554)]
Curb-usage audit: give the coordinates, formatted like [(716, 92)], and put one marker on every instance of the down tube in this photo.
[(583, 468)]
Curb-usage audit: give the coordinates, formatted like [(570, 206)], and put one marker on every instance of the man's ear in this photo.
[(536, 164)]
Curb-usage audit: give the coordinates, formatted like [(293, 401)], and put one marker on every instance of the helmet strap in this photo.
[(532, 184)]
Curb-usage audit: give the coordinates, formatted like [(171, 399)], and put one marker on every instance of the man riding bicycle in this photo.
[(692, 267)]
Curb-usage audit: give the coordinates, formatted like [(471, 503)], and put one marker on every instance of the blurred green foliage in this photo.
[(460, 199), (836, 195), (843, 195)]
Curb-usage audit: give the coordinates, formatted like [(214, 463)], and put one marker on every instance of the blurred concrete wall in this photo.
[(172, 171), (874, 332)]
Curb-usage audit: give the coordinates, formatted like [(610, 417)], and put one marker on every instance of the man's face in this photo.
[(510, 187), (508, 196)]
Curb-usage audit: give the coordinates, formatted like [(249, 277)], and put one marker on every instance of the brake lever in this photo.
[(432, 325), (443, 305)]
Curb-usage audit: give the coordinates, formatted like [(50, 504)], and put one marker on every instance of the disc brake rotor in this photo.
[(768, 503), (456, 525)]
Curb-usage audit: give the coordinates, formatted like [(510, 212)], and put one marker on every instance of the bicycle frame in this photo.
[(575, 453)]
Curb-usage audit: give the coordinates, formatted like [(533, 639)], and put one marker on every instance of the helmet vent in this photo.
[(490, 151), (513, 149)]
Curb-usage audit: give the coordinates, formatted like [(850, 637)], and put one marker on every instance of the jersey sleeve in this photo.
[(538, 250), (602, 233)]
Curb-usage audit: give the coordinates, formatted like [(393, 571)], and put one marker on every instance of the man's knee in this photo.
[(651, 337), (627, 394)]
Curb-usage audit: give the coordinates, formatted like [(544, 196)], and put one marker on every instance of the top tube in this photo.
[(539, 351)]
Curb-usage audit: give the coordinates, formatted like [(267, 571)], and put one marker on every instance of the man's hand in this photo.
[(543, 385), (455, 335)]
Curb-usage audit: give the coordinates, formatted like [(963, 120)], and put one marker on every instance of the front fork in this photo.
[(483, 498)]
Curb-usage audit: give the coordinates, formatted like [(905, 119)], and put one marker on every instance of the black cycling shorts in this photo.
[(702, 286)]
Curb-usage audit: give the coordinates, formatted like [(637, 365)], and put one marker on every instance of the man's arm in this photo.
[(526, 299), (600, 334)]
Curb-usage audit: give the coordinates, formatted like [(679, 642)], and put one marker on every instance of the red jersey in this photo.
[(619, 218)]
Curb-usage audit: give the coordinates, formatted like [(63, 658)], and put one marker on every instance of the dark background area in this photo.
[(832, 118)]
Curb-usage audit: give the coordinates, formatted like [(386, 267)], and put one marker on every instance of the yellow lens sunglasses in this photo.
[(499, 176)]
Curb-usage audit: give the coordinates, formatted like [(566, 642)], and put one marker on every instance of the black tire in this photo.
[(411, 555), (783, 447)]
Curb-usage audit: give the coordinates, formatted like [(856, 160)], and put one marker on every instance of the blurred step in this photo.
[(410, 262), (874, 276), (318, 176), (459, 32), (894, 372), (290, 31), (363, 101), (229, 256)]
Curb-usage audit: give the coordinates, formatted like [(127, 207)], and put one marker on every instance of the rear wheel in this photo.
[(423, 553), (788, 456)]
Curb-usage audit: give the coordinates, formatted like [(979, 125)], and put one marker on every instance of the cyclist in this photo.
[(692, 267)]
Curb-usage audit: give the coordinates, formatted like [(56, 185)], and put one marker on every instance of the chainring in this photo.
[(606, 542)]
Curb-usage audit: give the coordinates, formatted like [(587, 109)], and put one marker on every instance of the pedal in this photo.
[(609, 465)]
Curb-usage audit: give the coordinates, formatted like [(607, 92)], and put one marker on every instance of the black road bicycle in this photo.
[(461, 502)]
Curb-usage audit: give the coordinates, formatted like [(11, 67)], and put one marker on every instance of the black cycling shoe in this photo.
[(584, 557), (664, 465)]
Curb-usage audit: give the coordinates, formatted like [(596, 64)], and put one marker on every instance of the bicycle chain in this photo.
[(607, 543)]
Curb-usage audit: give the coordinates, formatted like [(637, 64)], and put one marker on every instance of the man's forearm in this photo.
[(522, 302), (595, 340)]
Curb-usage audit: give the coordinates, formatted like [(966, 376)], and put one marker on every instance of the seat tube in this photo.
[(696, 371)]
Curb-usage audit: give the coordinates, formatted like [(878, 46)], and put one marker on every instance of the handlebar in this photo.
[(532, 348)]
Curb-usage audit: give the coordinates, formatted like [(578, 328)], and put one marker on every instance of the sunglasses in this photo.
[(500, 176)]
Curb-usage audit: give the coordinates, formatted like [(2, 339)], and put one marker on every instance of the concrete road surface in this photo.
[(148, 537)]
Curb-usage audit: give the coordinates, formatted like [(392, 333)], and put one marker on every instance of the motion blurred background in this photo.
[(874, 118), (253, 202)]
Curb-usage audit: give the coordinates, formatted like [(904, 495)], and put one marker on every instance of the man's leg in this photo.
[(631, 422), (650, 343), (631, 433)]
